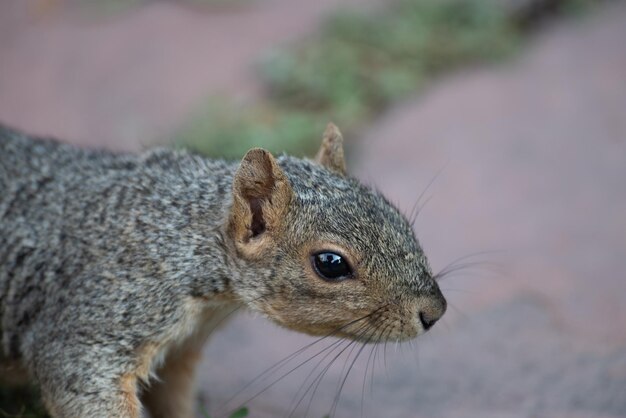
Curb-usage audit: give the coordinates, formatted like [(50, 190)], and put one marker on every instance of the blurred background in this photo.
[(507, 117)]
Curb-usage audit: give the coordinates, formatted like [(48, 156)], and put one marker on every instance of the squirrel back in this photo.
[(111, 263)]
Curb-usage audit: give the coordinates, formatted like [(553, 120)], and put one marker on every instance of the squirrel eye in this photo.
[(331, 266)]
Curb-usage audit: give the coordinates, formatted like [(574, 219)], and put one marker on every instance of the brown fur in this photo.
[(146, 357), (172, 395), (129, 402)]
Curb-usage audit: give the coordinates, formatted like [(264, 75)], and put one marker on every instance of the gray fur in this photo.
[(102, 255)]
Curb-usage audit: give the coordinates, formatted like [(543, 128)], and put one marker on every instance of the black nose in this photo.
[(431, 309), (428, 319)]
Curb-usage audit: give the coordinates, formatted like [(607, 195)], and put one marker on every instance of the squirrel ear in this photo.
[(261, 196), (330, 154)]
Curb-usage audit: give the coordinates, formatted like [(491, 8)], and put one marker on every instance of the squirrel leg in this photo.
[(117, 401), (173, 394), (79, 380)]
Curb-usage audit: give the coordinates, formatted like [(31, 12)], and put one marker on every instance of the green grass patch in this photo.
[(239, 413), (225, 130), (360, 63), (353, 69)]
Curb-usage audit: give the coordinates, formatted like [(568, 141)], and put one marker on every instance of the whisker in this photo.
[(345, 364), (386, 340), (275, 367), (376, 356), (416, 207), (375, 349), (385, 355), (419, 210), (285, 375), (362, 327), (308, 377), (467, 266), (367, 365), (320, 377), (285, 361), (374, 329), (343, 382), (475, 254)]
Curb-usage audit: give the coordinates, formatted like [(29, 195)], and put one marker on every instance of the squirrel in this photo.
[(115, 268)]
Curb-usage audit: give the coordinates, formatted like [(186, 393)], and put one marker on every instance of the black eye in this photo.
[(331, 266)]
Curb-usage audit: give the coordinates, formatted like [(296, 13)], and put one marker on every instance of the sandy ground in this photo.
[(532, 161)]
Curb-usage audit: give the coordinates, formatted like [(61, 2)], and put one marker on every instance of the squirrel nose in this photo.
[(428, 319), (432, 311)]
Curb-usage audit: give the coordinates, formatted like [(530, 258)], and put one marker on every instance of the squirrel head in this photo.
[(320, 253)]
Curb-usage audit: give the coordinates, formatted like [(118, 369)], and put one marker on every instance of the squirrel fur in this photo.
[(115, 268)]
